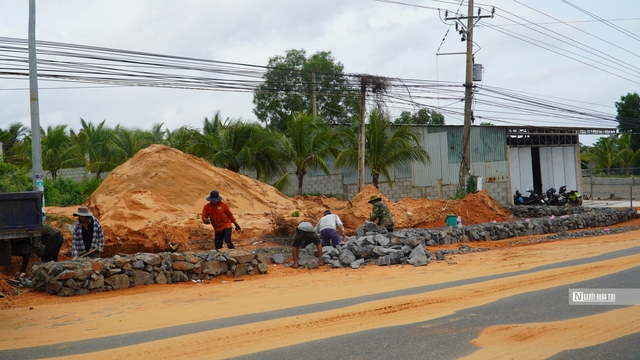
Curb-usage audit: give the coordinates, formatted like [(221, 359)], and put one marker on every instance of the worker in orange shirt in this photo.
[(217, 213)]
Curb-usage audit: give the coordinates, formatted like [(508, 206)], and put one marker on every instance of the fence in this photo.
[(617, 184)]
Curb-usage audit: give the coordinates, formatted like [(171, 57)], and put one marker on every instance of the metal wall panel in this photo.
[(521, 169)]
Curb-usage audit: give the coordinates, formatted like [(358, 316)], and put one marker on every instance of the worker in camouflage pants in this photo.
[(381, 213)]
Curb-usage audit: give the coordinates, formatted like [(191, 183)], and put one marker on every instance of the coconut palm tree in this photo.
[(127, 142), (384, 148), (604, 153), (97, 149), (628, 157), (58, 151), (182, 138), (11, 140), (234, 145), (308, 143)]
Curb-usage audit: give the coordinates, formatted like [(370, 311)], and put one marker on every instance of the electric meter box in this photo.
[(478, 69)]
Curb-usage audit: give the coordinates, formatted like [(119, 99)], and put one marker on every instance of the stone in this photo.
[(347, 257), (191, 258), (138, 264), (182, 266), (356, 264), (66, 292), (179, 276), (370, 226), (120, 281), (142, 278), (277, 258), (263, 267), (97, 283), (215, 268), (242, 269), (150, 259), (160, 278)]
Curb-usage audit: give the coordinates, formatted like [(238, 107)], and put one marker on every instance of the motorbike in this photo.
[(555, 198), (533, 198)]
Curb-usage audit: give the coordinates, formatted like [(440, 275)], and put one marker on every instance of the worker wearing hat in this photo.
[(327, 228), (88, 237), (381, 213), (217, 213)]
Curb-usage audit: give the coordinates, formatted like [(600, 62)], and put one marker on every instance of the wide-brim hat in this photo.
[(83, 211), (374, 198), (214, 196)]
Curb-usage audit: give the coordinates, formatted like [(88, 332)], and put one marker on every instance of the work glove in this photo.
[(207, 221), (237, 227)]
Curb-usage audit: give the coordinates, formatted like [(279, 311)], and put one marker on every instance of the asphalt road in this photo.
[(442, 338)]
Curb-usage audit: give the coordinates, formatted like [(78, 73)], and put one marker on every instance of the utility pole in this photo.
[(467, 35), (36, 146), (361, 137)]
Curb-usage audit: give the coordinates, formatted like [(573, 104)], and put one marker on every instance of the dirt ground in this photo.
[(158, 306)]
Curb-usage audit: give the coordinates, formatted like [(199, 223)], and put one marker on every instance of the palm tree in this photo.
[(11, 140), (384, 147), (128, 142), (58, 151), (627, 155), (182, 138), (235, 144), (604, 153), (96, 144), (308, 142)]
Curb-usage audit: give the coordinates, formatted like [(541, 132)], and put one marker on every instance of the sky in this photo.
[(366, 36)]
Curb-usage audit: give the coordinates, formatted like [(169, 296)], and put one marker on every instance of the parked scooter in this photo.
[(533, 198), (555, 198)]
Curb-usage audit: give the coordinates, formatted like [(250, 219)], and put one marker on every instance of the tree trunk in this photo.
[(375, 178), (300, 177)]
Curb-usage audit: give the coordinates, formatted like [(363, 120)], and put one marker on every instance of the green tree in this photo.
[(234, 144), (628, 117), (605, 154), (97, 149), (628, 156), (423, 116), (384, 148), (183, 138), (308, 143), (11, 140), (288, 84), (127, 142), (58, 151), (12, 179)]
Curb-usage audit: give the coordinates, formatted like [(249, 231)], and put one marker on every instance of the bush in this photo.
[(62, 192), (12, 179), (66, 192)]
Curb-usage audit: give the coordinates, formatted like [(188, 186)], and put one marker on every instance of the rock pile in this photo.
[(374, 245), (81, 276)]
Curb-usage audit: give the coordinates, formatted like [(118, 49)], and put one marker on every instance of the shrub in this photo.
[(12, 179), (63, 192)]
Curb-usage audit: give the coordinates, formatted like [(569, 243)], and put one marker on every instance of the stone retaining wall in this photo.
[(81, 276)]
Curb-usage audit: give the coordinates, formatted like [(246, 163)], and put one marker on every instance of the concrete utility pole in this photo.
[(361, 130), (36, 146), (467, 34)]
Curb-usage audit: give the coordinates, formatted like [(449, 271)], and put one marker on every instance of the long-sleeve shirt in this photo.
[(330, 221), (381, 213), (219, 214), (97, 242)]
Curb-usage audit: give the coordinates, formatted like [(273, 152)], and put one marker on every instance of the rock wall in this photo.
[(81, 276), (373, 245)]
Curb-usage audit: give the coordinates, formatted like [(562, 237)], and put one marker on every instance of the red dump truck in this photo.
[(20, 224)]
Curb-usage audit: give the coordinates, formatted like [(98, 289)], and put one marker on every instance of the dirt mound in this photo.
[(153, 202)]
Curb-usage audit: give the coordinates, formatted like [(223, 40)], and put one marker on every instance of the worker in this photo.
[(327, 228), (51, 239), (381, 213), (88, 237), (217, 213), (305, 234)]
